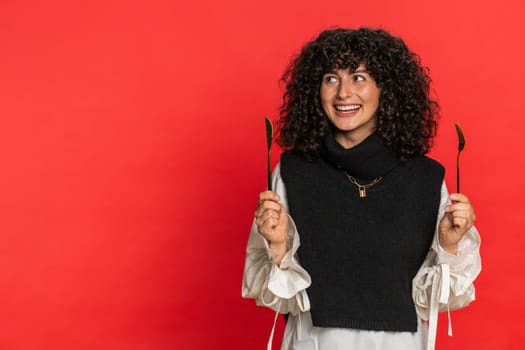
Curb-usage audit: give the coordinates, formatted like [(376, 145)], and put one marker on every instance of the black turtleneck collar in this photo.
[(369, 159)]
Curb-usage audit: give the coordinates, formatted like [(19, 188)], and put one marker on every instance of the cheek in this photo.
[(373, 96), (325, 107), (325, 97), (322, 94)]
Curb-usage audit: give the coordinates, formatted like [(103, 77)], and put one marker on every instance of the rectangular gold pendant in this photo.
[(362, 192)]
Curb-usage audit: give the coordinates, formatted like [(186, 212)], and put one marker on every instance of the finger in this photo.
[(282, 210), (264, 199), (271, 205), (446, 222), (458, 206), (263, 214), (459, 197), (267, 215), (461, 214), (461, 209), (268, 226), (466, 217), (268, 196), (267, 205), (461, 223)]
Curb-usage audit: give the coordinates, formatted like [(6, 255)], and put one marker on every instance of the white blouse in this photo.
[(443, 283)]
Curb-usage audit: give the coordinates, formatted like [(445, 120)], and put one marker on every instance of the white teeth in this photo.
[(347, 108)]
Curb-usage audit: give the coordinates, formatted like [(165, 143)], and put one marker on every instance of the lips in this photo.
[(345, 111), (347, 108)]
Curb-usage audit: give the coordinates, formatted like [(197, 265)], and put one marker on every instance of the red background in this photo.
[(132, 150)]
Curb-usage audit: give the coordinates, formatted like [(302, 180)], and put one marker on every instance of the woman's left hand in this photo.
[(459, 217)]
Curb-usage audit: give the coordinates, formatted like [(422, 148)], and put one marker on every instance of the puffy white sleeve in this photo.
[(445, 281), (281, 288)]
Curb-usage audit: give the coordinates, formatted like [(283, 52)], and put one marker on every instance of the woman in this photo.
[(360, 244)]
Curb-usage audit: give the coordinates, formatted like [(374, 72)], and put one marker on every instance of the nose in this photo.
[(344, 90)]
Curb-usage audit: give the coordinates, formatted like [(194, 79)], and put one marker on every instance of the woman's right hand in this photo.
[(271, 219)]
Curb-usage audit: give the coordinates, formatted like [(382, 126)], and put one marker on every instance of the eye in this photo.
[(359, 78), (330, 79)]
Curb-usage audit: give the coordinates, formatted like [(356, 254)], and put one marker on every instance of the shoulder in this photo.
[(290, 155), (292, 158), (426, 168), (427, 165), (294, 165)]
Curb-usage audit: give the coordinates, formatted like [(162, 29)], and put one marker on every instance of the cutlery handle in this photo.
[(457, 175), (269, 138), (269, 173)]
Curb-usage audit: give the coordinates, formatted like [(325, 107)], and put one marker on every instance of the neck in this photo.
[(350, 140), (366, 160)]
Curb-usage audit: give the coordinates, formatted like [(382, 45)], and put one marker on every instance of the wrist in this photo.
[(450, 248), (278, 247)]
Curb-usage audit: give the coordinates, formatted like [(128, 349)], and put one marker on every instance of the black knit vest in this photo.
[(362, 253)]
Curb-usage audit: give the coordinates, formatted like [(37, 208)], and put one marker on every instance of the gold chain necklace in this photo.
[(362, 188)]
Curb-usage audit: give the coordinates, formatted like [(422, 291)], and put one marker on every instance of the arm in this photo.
[(463, 261), (272, 273), (445, 280)]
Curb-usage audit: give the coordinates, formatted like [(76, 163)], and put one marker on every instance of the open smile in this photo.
[(347, 110)]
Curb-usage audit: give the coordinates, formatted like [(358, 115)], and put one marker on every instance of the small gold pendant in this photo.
[(362, 188)]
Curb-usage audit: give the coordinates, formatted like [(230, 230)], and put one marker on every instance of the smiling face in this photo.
[(350, 101)]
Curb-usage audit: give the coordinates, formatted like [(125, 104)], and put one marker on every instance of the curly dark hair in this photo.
[(406, 114)]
